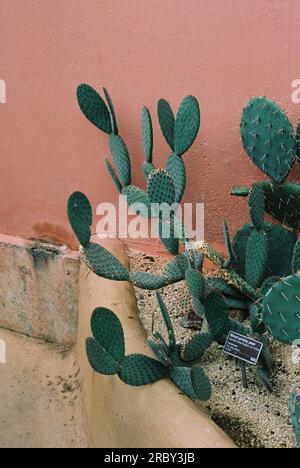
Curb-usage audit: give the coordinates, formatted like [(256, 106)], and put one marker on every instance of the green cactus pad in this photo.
[(187, 125), (159, 350), (176, 268), (268, 138), (113, 119), (282, 202), (121, 158), (146, 280), (138, 200), (255, 315), (176, 168), (147, 169), (167, 321), (256, 258), (231, 254), (80, 216), (237, 304), (113, 175), (161, 187), (280, 247), (216, 313), (166, 121), (265, 357), (94, 108), (195, 283), (103, 263), (147, 131), (257, 206), (192, 382), (137, 370), (238, 327), (281, 309), (220, 285), (108, 332), (196, 347), (100, 360), (296, 257), (201, 384), (181, 376), (294, 407), (168, 237)]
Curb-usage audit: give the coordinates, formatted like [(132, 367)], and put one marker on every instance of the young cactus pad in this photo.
[(281, 309), (80, 216)]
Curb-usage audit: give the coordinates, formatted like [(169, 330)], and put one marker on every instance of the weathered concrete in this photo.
[(40, 396), (39, 290), (122, 416)]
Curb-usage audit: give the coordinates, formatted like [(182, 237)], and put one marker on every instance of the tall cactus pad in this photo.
[(231, 254), (94, 108), (107, 349), (147, 134), (195, 283), (281, 309), (298, 140), (268, 138), (256, 258), (166, 121), (80, 216), (187, 125), (167, 322), (113, 118), (217, 314), (257, 206), (168, 235), (294, 407), (107, 331), (176, 168), (121, 158), (137, 369), (103, 263), (100, 360), (161, 187)]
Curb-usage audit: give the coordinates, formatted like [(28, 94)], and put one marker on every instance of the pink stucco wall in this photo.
[(222, 51)]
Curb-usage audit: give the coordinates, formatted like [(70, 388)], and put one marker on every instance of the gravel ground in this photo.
[(252, 417)]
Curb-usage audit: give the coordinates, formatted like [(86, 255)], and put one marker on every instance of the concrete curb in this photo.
[(119, 416)]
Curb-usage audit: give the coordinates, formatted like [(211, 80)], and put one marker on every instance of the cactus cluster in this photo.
[(106, 354), (259, 275)]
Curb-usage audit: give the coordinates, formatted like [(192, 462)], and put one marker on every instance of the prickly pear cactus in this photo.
[(268, 138)]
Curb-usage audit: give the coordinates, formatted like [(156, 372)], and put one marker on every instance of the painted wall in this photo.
[(222, 51)]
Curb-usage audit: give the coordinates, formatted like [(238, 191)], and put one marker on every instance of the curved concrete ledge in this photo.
[(120, 416)]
